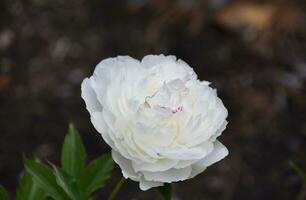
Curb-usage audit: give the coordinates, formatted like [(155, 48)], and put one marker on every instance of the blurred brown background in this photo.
[(254, 53)]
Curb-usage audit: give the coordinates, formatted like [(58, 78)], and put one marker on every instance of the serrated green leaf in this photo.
[(96, 173), (3, 193), (29, 189), (73, 156), (166, 191), (68, 184), (44, 177)]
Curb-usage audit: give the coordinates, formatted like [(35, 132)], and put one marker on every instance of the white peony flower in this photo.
[(160, 120)]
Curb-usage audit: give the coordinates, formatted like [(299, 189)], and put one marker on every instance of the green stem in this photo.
[(115, 191)]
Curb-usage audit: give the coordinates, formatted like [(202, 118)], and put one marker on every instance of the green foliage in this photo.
[(29, 189), (73, 153), (298, 170), (74, 181), (3, 193), (44, 177), (68, 184), (96, 173), (165, 191)]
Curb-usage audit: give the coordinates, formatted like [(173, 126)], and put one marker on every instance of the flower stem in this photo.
[(115, 191)]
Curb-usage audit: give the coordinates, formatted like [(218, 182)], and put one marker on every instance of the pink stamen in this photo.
[(178, 109)]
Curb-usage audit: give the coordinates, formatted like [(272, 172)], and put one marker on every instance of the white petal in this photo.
[(100, 125), (90, 97), (145, 185), (161, 134), (184, 163), (197, 169), (168, 176), (152, 60), (167, 68), (185, 153), (115, 62), (219, 152), (219, 131), (126, 166), (159, 165), (113, 75)]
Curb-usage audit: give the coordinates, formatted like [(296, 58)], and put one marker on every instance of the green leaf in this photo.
[(165, 191), (3, 193), (68, 184), (29, 189), (73, 156), (96, 173), (298, 170), (44, 177)]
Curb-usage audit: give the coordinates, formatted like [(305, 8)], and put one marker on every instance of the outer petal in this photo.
[(185, 153), (145, 185), (100, 125), (113, 63), (219, 152), (185, 163), (168, 176), (219, 131), (159, 165), (111, 77), (90, 97), (196, 169), (167, 68), (126, 166), (153, 60)]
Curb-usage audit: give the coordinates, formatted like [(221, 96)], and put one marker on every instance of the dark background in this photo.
[(253, 52)]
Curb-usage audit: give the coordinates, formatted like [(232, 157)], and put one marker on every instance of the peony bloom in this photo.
[(161, 122)]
